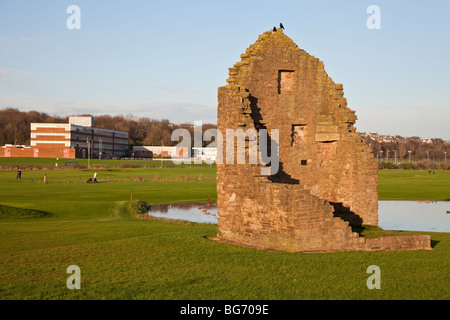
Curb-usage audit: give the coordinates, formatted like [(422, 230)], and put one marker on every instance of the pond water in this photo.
[(414, 215), (392, 215), (194, 212)]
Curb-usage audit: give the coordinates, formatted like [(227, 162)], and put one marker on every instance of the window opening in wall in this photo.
[(286, 82), (297, 134), (303, 162)]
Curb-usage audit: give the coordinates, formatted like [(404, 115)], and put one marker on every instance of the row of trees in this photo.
[(15, 127), (406, 149), (419, 165)]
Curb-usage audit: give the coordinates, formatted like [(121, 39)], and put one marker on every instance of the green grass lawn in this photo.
[(59, 163), (414, 185), (122, 256)]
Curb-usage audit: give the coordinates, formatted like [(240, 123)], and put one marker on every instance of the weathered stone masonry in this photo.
[(327, 177)]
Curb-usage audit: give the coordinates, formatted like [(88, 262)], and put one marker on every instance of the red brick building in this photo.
[(76, 139)]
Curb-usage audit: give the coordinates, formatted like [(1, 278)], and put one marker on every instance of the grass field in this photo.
[(414, 185), (52, 163), (122, 256)]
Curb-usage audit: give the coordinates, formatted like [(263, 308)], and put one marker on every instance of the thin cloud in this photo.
[(420, 106), (174, 90), (16, 73), (29, 39), (428, 120), (68, 85), (175, 112)]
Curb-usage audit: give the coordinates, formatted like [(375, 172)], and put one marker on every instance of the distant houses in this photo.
[(397, 138), (407, 148)]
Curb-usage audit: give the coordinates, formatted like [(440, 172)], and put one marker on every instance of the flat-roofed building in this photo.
[(204, 154), (158, 151), (76, 139), (102, 143)]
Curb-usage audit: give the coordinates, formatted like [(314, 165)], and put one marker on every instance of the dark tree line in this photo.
[(15, 127), (413, 148)]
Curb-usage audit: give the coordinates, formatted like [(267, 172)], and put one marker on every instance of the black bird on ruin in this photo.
[(274, 29), (281, 26)]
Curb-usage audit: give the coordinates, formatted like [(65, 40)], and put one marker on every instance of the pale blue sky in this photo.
[(166, 59)]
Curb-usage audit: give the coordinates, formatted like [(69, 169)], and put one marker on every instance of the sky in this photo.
[(166, 59)]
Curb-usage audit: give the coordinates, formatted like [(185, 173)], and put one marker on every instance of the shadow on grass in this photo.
[(372, 231), (434, 243), (7, 212)]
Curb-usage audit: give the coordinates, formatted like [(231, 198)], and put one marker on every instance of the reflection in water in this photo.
[(414, 215), (194, 212), (392, 215)]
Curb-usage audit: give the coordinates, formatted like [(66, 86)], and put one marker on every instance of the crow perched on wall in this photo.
[(281, 26), (274, 29)]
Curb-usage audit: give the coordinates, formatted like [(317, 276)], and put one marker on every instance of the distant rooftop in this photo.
[(82, 121)]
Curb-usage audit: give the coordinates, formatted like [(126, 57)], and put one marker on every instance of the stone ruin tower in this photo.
[(327, 175)]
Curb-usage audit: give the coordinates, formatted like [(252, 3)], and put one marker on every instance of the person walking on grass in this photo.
[(95, 177), (19, 174)]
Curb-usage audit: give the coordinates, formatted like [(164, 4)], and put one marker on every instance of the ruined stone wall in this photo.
[(327, 173)]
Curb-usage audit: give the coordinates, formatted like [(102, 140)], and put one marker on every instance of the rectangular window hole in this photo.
[(297, 134), (286, 82), (303, 162)]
